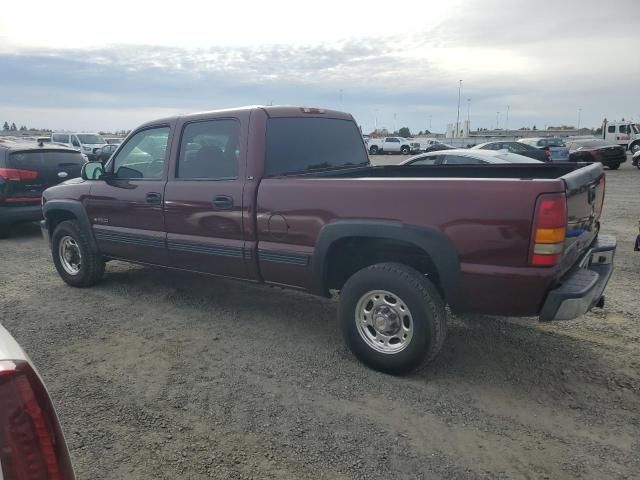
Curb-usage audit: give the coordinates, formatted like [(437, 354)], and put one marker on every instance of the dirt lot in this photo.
[(164, 375)]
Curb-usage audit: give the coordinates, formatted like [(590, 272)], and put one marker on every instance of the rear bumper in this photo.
[(583, 287), (28, 213)]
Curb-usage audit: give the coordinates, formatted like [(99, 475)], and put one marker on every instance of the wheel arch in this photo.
[(436, 247), (56, 211)]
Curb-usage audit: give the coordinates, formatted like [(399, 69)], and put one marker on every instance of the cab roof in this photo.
[(277, 111)]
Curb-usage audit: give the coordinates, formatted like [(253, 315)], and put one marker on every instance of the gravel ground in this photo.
[(164, 375)]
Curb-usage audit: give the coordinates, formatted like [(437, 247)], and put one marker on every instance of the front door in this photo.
[(203, 199), (126, 209)]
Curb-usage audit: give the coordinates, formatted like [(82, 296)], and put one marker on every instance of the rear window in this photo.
[(551, 142), (42, 158), (297, 145), (60, 138), (591, 143)]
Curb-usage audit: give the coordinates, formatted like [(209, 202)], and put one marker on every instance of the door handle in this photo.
[(153, 198), (223, 201)]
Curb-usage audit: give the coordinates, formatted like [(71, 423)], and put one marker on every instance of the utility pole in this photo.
[(468, 115), (430, 131), (394, 124), (458, 116), (497, 120), (506, 123)]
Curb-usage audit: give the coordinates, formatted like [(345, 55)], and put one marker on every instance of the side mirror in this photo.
[(92, 171)]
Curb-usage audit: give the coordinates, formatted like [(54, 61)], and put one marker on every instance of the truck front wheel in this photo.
[(634, 147), (405, 150), (392, 317), (73, 257)]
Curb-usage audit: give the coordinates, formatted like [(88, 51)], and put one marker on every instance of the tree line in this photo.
[(23, 128)]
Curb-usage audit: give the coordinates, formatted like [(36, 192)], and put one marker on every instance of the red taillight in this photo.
[(31, 443), (17, 174), (549, 230)]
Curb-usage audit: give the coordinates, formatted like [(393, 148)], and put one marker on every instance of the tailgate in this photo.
[(30, 172), (585, 196)]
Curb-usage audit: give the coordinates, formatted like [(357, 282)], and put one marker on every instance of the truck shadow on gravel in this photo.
[(479, 350), (24, 231)]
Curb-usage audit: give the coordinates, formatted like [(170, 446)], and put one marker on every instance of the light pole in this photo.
[(506, 123), (579, 115), (458, 116), (497, 120), (468, 115), (429, 123)]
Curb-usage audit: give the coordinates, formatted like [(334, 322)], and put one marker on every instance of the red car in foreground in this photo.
[(32, 446)]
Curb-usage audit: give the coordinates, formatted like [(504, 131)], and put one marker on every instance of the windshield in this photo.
[(636, 128), (90, 138), (297, 145)]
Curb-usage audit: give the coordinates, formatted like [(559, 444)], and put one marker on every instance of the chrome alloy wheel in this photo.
[(69, 254), (384, 321)]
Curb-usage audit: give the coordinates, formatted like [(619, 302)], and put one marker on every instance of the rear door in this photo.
[(28, 173), (204, 197), (126, 210), (391, 144)]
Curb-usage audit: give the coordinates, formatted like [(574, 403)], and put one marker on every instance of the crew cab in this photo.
[(287, 196), (392, 145), (31, 441)]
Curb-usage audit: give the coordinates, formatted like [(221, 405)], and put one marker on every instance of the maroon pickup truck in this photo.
[(287, 196)]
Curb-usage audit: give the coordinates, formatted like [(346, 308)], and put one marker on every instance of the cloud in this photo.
[(543, 60)]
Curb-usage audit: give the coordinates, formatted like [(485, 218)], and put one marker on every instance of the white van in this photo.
[(86, 143)]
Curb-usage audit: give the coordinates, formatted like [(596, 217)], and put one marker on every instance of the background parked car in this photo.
[(86, 143), (31, 441), (114, 140), (554, 147), (103, 154), (26, 170), (597, 150), (463, 156), (515, 147)]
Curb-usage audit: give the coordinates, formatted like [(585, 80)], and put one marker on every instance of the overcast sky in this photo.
[(97, 66)]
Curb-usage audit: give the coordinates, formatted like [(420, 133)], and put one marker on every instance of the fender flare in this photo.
[(74, 207), (432, 241)]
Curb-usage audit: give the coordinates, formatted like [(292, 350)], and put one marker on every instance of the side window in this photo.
[(209, 150), (143, 156), (623, 129), (430, 160), (516, 148), (74, 141), (459, 160), (611, 129)]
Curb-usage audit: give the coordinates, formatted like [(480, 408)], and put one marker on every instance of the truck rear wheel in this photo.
[(392, 317), (405, 150), (373, 150), (75, 262)]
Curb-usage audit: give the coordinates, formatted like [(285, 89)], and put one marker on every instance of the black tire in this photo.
[(426, 307), (373, 150), (91, 267), (614, 166), (634, 147), (405, 150)]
